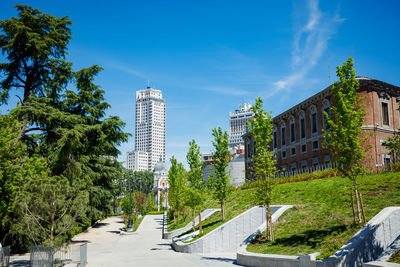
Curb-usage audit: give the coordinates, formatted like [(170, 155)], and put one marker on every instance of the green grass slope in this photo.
[(321, 220)]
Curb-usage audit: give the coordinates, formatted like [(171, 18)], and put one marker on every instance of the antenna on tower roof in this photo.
[(148, 84)]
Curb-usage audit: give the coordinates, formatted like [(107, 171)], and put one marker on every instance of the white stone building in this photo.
[(238, 123), (150, 125), (137, 161), (160, 184)]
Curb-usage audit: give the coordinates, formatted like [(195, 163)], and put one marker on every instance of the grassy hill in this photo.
[(321, 220)]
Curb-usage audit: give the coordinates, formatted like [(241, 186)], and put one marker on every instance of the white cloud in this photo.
[(127, 69), (227, 91), (309, 44)]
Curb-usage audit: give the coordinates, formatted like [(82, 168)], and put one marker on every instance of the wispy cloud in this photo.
[(128, 69), (227, 91), (309, 44)]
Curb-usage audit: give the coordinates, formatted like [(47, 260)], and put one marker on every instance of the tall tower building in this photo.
[(150, 126), (238, 123)]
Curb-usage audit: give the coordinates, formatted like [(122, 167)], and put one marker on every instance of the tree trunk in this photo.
[(357, 200), (178, 216), (200, 226), (266, 223), (194, 223), (223, 209), (174, 217)]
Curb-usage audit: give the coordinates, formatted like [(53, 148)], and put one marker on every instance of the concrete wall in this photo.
[(204, 215), (365, 246), (230, 235)]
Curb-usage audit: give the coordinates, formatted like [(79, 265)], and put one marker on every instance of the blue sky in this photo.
[(209, 56)]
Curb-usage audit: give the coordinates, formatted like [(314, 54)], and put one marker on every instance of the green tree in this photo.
[(393, 145), (66, 129), (35, 45), (177, 187), (343, 136), (196, 182), (143, 182), (49, 208), (263, 167), (219, 180)]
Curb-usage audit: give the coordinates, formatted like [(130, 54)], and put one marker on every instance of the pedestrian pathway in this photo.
[(144, 248)]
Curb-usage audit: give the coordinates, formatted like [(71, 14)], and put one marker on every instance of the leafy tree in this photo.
[(219, 180), (343, 136), (35, 45), (65, 129), (143, 182), (196, 184), (263, 167), (393, 145), (49, 208), (177, 187)]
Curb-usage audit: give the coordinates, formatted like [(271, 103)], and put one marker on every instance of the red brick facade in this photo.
[(301, 145)]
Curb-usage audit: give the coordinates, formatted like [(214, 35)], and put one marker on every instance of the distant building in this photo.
[(298, 132), (150, 125), (160, 184), (137, 161), (238, 124), (208, 159), (235, 168)]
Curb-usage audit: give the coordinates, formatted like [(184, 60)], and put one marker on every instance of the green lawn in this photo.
[(322, 219), (395, 258)]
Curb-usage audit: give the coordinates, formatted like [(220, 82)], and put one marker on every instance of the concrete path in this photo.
[(144, 248)]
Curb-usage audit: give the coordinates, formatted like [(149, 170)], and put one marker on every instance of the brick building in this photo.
[(298, 131)]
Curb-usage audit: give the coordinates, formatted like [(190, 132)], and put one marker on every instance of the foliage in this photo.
[(342, 135), (177, 187), (63, 130), (125, 204), (263, 169), (393, 145), (196, 184), (219, 180)]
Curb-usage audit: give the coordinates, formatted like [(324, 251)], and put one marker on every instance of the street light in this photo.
[(129, 228)]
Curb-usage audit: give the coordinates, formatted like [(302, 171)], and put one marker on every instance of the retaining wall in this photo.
[(230, 235), (204, 215), (365, 246)]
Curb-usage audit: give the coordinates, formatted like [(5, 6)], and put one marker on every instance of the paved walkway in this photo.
[(144, 248)]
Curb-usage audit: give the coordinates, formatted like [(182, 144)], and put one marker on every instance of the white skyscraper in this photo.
[(238, 123), (150, 126)]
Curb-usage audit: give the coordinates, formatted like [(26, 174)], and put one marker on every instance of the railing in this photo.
[(4, 256), (49, 257), (306, 170)]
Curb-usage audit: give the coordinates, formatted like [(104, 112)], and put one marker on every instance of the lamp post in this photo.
[(129, 228)]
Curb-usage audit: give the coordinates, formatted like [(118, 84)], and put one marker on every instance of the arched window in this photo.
[(326, 107), (292, 130), (314, 120), (302, 124), (275, 141), (283, 133)]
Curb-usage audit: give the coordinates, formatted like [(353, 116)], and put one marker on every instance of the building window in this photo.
[(385, 113), (325, 109), (293, 167), (283, 135), (315, 162), (304, 148), (275, 139), (284, 154), (293, 151), (314, 123), (292, 133), (303, 128), (315, 145), (304, 165), (248, 150)]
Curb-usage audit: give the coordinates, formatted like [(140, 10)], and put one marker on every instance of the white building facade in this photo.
[(137, 161), (150, 125), (238, 123)]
